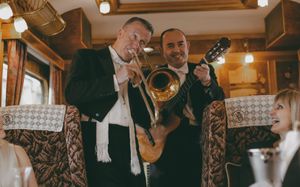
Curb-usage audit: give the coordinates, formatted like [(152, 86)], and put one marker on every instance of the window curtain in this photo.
[(16, 59), (55, 85)]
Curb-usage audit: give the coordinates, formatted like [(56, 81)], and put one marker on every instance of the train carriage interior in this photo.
[(38, 40)]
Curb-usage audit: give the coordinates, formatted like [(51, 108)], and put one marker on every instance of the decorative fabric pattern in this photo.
[(34, 117), (238, 140), (221, 144), (57, 157), (213, 145), (249, 111)]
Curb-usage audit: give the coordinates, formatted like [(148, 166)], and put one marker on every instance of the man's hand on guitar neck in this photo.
[(202, 73)]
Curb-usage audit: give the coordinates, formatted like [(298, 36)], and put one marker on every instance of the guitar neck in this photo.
[(180, 97), (216, 51)]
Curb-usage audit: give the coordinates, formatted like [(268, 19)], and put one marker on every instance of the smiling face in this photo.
[(175, 48), (281, 117), (133, 36)]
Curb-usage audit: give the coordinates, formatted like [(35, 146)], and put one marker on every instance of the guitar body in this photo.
[(151, 153)]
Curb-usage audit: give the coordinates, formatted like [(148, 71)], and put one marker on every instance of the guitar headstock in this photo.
[(219, 49)]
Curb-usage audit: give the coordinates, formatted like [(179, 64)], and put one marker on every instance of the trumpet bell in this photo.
[(163, 84)]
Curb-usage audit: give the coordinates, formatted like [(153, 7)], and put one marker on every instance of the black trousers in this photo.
[(116, 173), (180, 164)]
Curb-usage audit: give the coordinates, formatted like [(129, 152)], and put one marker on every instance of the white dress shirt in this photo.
[(119, 112)]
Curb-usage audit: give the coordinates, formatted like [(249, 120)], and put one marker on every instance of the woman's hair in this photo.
[(292, 97)]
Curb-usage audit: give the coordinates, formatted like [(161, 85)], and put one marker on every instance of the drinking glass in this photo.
[(265, 164), (17, 177)]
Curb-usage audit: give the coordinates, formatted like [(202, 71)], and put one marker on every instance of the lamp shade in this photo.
[(20, 24), (104, 7), (262, 3), (249, 58), (5, 11), (148, 49), (221, 60)]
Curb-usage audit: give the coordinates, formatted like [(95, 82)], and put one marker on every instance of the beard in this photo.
[(176, 59)]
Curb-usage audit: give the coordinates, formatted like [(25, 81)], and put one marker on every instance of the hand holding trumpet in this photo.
[(128, 72)]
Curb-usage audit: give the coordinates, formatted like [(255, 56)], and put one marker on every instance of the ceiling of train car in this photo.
[(209, 19)]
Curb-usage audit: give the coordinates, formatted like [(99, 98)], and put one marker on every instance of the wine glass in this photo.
[(17, 177)]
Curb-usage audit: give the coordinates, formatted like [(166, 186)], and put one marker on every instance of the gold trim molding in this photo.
[(179, 6)]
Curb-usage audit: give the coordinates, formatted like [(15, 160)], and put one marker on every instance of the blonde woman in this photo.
[(285, 117), (285, 111), (14, 164)]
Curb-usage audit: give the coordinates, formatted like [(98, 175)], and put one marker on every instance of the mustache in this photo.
[(177, 53)]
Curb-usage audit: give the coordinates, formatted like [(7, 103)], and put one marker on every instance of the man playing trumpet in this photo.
[(98, 86)]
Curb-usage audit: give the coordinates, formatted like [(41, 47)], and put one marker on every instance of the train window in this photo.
[(32, 92), (35, 85), (4, 78)]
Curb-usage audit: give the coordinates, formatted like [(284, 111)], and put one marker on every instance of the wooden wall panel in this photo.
[(76, 35), (283, 26)]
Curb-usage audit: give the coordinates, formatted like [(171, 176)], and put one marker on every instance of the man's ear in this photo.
[(188, 44)]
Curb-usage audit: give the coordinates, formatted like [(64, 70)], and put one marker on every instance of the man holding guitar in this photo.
[(180, 162)]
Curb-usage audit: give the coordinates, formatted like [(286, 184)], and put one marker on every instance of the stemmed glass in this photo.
[(17, 177)]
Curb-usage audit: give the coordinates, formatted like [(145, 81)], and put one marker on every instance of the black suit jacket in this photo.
[(292, 176), (90, 86), (202, 96)]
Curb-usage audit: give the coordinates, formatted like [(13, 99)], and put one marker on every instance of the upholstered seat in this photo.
[(57, 157), (228, 133)]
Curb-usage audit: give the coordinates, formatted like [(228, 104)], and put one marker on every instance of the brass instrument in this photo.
[(162, 84)]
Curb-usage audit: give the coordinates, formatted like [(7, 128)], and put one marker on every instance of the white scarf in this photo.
[(102, 132), (103, 141)]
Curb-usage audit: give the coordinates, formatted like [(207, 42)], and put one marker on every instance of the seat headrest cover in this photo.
[(249, 111), (34, 117)]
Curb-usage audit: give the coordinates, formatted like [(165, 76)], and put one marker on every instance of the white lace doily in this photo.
[(249, 111), (34, 117)]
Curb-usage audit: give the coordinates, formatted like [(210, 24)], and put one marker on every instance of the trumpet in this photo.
[(153, 115), (161, 85)]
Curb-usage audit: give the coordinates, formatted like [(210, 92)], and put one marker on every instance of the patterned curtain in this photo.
[(16, 59), (55, 85)]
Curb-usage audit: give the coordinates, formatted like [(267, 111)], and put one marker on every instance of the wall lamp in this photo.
[(221, 60), (262, 3), (20, 24), (249, 58), (104, 7), (5, 11)]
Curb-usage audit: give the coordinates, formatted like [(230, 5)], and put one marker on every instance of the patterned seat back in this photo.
[(56, 155), (230, 128)]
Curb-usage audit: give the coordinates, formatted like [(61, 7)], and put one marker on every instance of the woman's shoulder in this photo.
[(22, 156)]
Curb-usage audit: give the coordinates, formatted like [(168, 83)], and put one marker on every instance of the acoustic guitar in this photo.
[(152, 141)]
